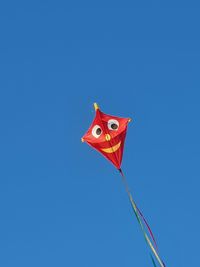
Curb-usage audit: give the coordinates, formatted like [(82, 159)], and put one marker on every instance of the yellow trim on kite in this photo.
[(96, 106), (107, 137), (112, 149)]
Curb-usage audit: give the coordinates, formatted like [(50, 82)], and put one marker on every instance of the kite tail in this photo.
[(140, 216)]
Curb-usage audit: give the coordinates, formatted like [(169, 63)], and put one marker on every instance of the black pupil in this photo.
[(98, 131), (114, 126)]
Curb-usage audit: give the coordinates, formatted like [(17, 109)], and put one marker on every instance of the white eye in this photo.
[(96, 131), (113, 125)]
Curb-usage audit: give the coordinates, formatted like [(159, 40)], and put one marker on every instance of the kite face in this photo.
[(107, 135)]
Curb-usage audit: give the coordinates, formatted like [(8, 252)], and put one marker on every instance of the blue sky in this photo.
[(63, 204)]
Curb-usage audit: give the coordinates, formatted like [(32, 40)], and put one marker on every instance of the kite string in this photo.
[(148, 227), (138, 214)]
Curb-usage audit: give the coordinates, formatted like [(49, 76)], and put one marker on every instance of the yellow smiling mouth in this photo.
[(112, 149)]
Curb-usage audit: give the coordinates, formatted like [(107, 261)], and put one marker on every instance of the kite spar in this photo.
[(107, 135)]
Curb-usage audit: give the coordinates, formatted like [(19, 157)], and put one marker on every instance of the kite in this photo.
[(107, 135)]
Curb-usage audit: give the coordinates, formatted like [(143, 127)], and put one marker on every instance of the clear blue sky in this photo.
[(63, 204)]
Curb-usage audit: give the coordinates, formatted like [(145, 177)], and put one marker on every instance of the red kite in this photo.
[(107, 135)]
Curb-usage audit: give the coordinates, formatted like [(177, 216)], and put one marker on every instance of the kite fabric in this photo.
[(107, 135)]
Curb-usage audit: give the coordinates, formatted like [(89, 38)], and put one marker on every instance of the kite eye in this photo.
[(113, 125), (96, 131)]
